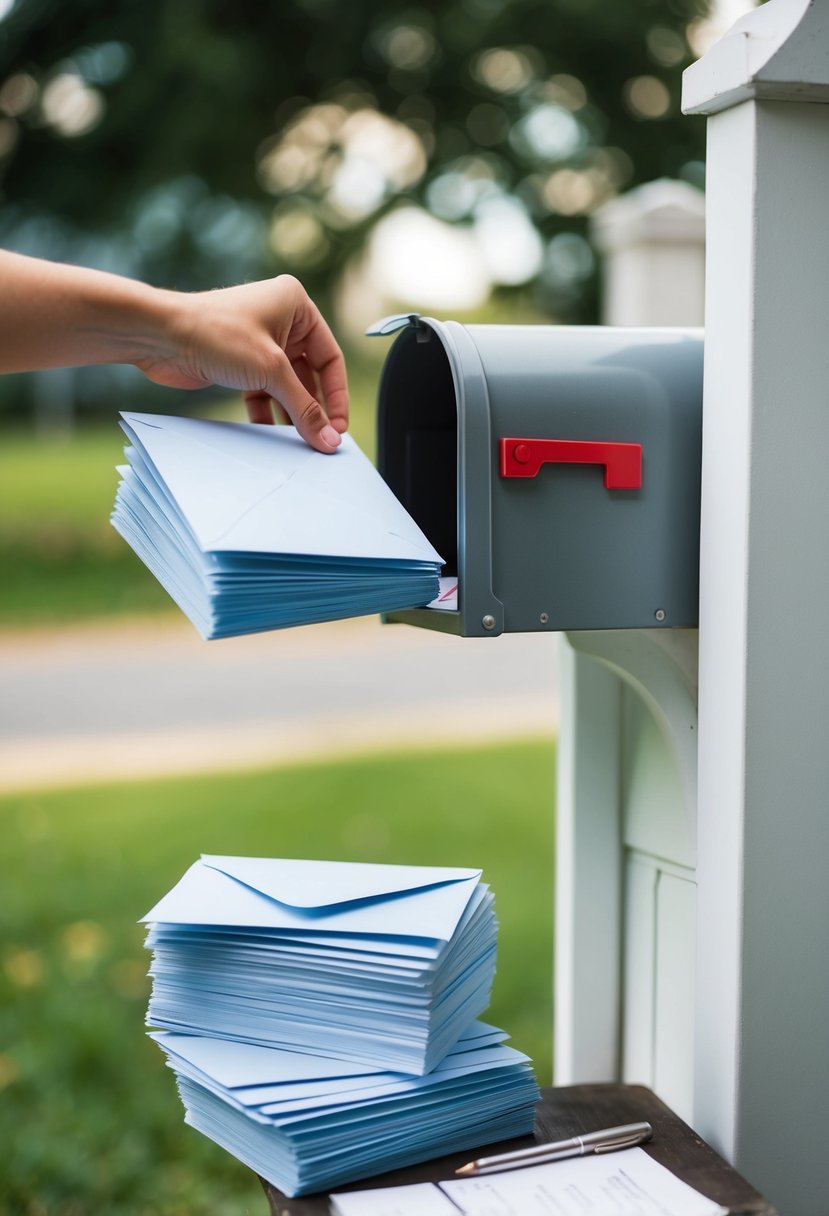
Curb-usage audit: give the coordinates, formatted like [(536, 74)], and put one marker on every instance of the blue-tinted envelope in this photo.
[(382, 965), (311, 1123), (248, 528), (424, 903)]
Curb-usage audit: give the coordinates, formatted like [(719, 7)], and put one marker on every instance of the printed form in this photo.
[(629, 1183)]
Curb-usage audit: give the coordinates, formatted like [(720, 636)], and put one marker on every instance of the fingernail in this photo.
[(330, 436)]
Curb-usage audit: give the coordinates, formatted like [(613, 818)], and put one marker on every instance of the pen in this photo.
[(606, 1141)]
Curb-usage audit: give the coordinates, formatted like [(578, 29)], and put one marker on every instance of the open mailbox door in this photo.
[(556, 469)]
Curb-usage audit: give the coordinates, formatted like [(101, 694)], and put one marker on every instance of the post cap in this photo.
[(777, 52)]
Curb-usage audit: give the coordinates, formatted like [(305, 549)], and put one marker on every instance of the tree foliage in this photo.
[(195, 142)]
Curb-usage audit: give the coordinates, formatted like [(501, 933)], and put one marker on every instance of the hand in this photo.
[(267, 339)]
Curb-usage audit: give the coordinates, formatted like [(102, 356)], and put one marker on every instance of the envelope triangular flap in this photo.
[(330, 884), (249, 488), (210, 483), (244, 1064), (298, 519), (428, 913)]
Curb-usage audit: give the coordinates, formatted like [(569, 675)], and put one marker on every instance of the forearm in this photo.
[(53, 315), (267, 339)]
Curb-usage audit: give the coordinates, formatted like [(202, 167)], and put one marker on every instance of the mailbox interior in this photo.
[(418, 437)]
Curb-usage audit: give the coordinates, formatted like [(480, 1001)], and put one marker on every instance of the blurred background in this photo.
[(472, 159)]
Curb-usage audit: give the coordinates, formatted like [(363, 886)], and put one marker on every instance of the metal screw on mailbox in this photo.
[(660, 614), (488, 621), (544, 618)]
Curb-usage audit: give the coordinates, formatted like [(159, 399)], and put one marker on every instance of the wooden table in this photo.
[(567, 1112)]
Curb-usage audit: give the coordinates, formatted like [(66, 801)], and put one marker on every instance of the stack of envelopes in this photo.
[(379, 964), (309, 1123), (248, 528), (320, 1016)]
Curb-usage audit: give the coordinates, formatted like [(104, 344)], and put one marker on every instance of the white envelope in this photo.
[(249, 488), (425, 903)]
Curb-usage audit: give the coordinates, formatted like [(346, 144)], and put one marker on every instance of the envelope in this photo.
[(247, 487), (256, 1075), (293, 1085), (376, 964), (332, 1124), (420, 902), (248, 528)]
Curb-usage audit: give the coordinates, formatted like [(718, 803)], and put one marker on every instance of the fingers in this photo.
[(307, 378), (311, 421), (304, 374), (305, 411), (259, 406), (324, 357), (312, 349)]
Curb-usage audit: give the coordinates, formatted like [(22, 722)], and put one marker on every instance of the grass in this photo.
[(89, 1118), (59, 557)]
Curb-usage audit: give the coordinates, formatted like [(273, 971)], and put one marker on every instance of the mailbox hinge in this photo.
[(396, 322)]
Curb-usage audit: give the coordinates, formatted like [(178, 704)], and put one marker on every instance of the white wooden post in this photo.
[(625, 854), (588, 883), (627, 751), (762, 1042), (653, 244)]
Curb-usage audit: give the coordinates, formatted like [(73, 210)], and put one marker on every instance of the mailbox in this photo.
[(555, 469)]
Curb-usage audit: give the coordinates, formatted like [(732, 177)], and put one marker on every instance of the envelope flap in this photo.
[(235, 1065), (243, 487), (212, 482), (311, 885)]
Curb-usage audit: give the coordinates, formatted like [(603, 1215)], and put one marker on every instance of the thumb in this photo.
[(306, 413)]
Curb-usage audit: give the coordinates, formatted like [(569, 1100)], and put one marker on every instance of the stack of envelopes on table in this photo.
[(248, 528), (380, 964), (320, 1016), (309, 1123)]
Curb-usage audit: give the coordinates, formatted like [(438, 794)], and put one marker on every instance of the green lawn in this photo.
[(59, 558), (89, 1117)]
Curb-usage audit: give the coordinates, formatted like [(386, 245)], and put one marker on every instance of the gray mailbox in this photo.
[(555, 469)]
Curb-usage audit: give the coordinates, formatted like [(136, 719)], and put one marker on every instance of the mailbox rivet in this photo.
[(488, 621), (521, 453), (660, 614), (544, 618)]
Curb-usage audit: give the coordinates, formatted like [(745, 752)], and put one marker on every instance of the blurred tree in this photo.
[(195, 142)]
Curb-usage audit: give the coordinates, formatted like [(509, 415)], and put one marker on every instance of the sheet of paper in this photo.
[(628, 1183), (447, 600), (422, 1199)]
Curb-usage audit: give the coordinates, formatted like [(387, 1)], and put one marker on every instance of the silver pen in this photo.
[(606, 1141)]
